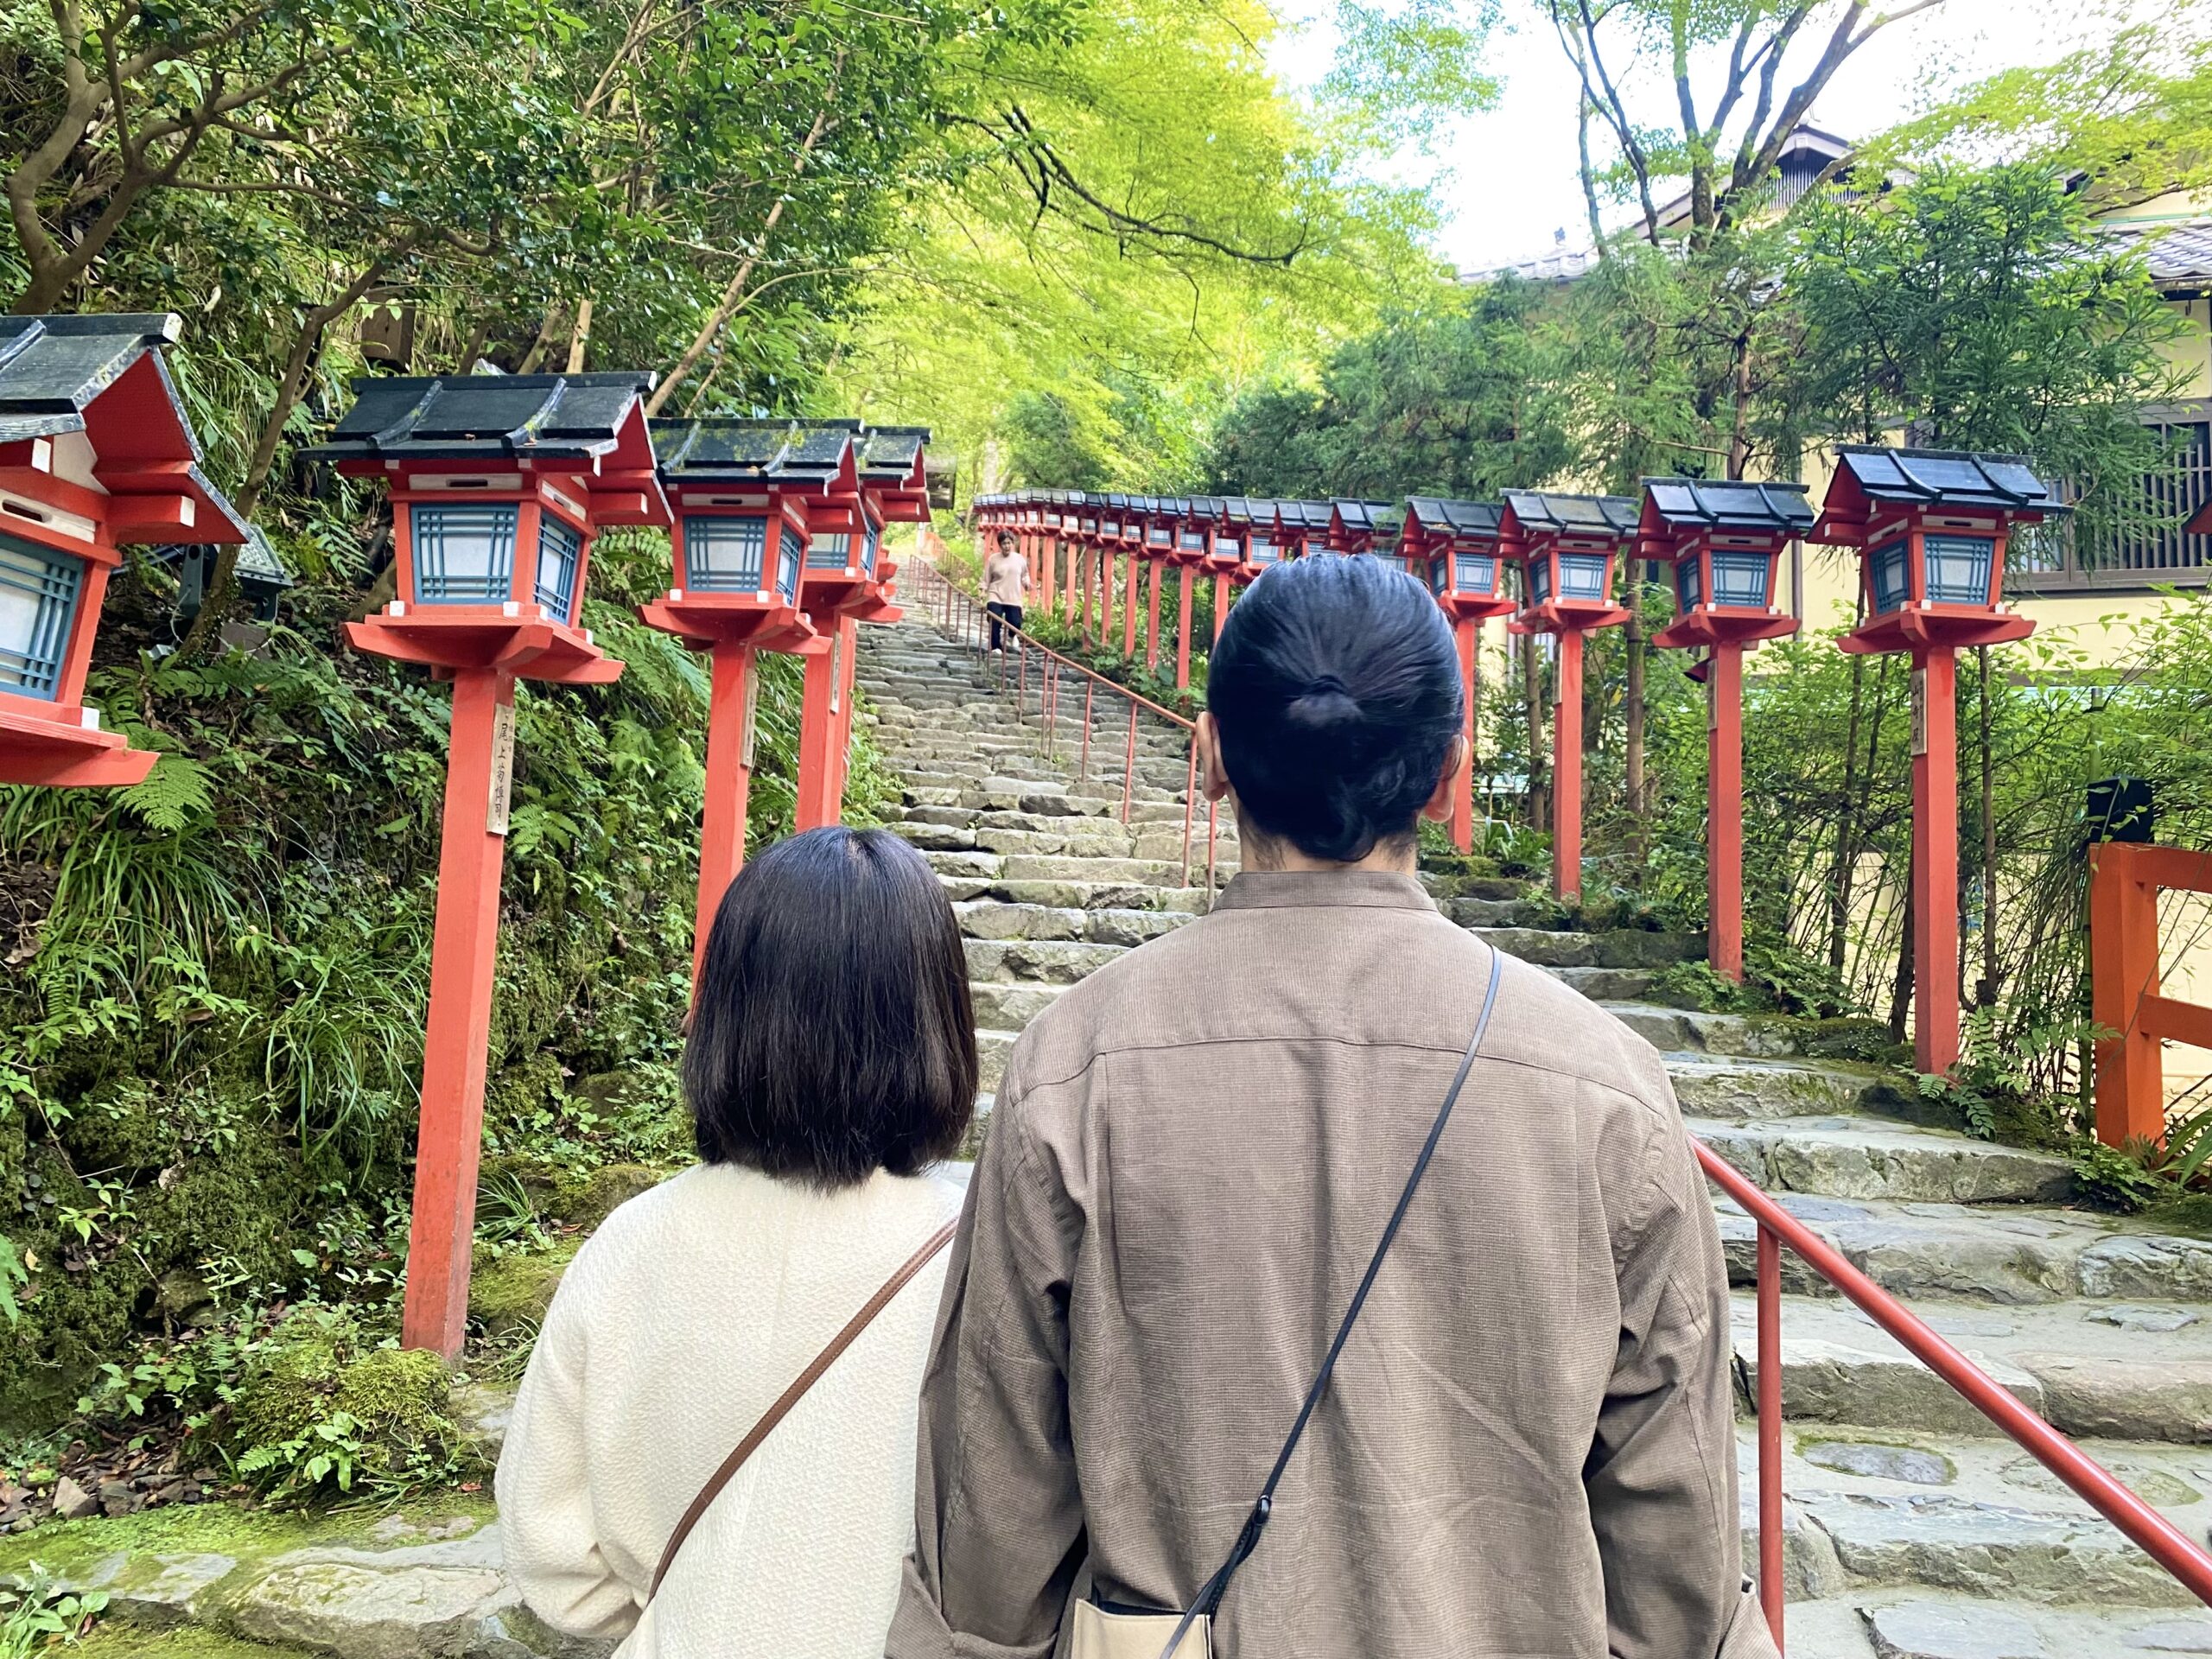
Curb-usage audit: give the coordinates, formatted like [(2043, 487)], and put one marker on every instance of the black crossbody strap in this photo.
[(1208, 1601)]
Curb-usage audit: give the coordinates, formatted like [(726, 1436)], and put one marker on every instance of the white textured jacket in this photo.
[(677, 1325)]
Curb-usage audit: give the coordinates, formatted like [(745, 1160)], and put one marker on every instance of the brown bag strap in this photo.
[(791, 1396)]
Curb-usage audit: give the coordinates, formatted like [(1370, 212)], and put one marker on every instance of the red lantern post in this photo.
[(739, 543), (1565, 545), (1723, 540), (1156, 540), (843, 582), (500, 485), (96, 455), (1931, 527), (1194, 521), (1453, 547)]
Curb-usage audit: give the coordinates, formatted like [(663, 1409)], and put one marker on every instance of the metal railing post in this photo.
[(1189, 801), (1769, 1429)]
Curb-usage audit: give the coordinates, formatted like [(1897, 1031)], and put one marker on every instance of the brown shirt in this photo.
[(1528, 1449), (1006, 578)]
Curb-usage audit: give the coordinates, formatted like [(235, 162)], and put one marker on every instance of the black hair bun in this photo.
[(1336, 685)]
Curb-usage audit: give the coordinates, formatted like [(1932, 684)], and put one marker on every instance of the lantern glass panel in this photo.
[(1090, 526), (829, 550), (1740, 579), (1958, 569), (871, 544), (1582, 575), (724, 555), (1689, 591), (560, 551), (1475, 573), (1437, 572), (1264, 550), (1159, 536), (1540, 580), (1229, 548), (40, 588), (464, 555), (1892, 582), (787, 561), (1194, 541)]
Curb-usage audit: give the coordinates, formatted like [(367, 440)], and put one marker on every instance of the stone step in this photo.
[(1688, 1031), (1498, 912), (1740, 1089), (1053, 962), (1930, 1624), (1147, 872), (1007, 1005), (1857, 1158), (2085, 1377), (991, 919), (1621, 948), (2135, 1280), (1103, 895), (1608, 984)]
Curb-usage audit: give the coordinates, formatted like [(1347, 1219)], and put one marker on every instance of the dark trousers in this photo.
[(1000, 611)]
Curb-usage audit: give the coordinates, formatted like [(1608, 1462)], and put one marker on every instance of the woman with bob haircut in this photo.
[(831, 1061), (1328, 1279)]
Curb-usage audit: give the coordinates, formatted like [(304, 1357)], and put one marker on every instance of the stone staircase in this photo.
[(1913, 1530)]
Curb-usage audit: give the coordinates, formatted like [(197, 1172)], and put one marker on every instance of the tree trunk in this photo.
[(580, 339), (727, 306), (223, 585)]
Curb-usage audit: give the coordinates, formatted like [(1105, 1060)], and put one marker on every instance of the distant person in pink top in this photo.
[(1006, 585)]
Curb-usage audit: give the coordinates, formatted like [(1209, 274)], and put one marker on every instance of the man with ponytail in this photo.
[(1330, 1287)]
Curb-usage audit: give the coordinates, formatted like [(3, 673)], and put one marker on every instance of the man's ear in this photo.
[(1458, 757), (1213, 777)]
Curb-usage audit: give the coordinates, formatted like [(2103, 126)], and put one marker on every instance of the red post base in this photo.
[(1935, 859), (1724, 856), (449, 1141), (1567, 770), (729, 781), (1468, 633)]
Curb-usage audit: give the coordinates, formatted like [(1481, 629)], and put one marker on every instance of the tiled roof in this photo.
[(1731, 503), (1470, 519), (480, 416), (1951, 477), (2178, 255), (753, 451), (1379, 517), (1559, 265), (52, 370), (1602, 514), (52, 367), (891, 451)]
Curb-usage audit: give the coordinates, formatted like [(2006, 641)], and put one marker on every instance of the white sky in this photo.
[(1507, 180)]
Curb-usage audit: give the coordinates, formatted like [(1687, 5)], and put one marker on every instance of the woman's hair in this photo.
[(831, 1034), (1336, 688)]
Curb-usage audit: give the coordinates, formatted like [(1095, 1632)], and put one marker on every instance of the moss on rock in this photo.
[(508, 1295)]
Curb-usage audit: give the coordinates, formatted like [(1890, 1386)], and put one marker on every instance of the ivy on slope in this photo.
[(212, 997)]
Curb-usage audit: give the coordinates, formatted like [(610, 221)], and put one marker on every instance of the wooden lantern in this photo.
[(1931, 528), (96, 455), (1722, 541)]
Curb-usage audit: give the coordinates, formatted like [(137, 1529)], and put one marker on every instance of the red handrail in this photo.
[(965, 615), (2144, 1526)]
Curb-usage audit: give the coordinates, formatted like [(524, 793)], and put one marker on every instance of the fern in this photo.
[(177, 790)]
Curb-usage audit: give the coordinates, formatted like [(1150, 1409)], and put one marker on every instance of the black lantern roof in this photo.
[(259, 569), (55, 373), (1303, 515), (1949, 477), (1585, 515), (1730, 504), (1117, 502), (1381, 518), (1463, 520), (483, 417), (726, 448), (889, 453), (1171, 506)]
